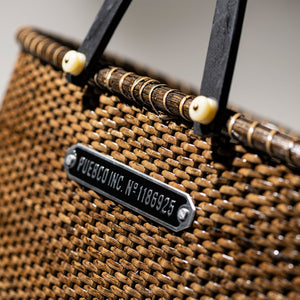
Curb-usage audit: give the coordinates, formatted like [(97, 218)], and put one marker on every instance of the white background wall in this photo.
[(172, 36)]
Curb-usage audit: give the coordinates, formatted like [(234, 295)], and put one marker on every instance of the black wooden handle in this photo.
[(98, 36), (220, 59)]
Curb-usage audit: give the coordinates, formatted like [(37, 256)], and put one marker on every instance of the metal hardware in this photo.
[(183, 213), (165, 100), (122, 80), (269, 141), (70, 159), (250, 133), (141, 193), (232, 122)]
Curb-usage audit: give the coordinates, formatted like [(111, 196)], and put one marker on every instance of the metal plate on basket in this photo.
[(141, 193)]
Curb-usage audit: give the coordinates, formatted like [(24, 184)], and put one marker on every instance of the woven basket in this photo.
[(59, 240)]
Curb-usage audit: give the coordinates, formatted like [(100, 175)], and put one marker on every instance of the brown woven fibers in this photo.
[(59, 240), (170, 98)]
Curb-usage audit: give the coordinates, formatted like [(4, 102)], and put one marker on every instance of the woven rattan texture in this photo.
[(170, 99), (61, 241)]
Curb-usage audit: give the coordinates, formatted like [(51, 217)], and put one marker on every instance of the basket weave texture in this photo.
[(59, 240)]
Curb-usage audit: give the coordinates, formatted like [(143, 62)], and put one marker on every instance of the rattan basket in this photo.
[(60, 240)]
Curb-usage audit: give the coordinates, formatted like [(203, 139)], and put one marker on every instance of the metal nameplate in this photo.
[(141, 193)]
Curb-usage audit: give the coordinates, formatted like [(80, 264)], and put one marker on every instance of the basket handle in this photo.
[(220, 59), (98, 36)]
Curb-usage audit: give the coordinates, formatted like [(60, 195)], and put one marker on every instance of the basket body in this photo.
[(60, 240)]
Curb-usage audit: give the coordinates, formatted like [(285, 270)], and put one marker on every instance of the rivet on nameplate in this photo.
[(70, 159), (141, 193), (183, 213)]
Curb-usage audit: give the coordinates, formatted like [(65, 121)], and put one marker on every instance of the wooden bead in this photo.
[(203, 110), (73, 62)]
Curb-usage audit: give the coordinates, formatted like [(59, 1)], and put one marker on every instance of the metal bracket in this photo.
[(98, 37), (220, 60)]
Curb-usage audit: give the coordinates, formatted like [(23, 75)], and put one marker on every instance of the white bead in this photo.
[(203, 110), (73, 62)]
